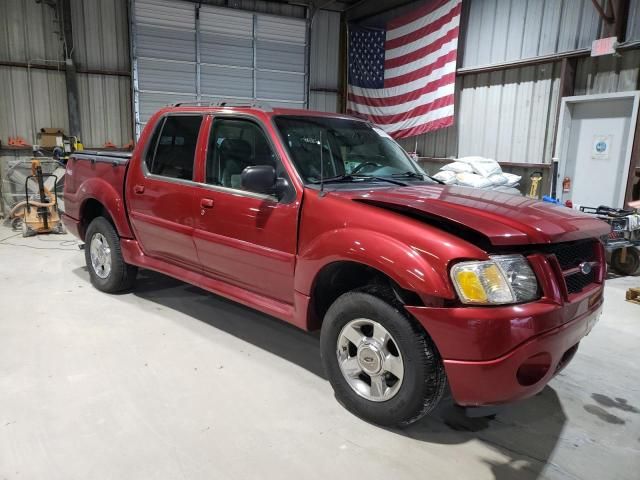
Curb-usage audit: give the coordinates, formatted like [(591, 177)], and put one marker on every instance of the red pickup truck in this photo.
[(323, 221)]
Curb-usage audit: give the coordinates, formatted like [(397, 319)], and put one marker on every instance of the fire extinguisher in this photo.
[(566, 184)]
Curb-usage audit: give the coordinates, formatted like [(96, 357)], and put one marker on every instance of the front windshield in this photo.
[(350, 148)]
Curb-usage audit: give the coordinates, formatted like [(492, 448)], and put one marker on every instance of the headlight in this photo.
[(503, 279)]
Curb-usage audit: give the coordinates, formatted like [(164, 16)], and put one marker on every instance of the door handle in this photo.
[(138, 189), (206, 203)]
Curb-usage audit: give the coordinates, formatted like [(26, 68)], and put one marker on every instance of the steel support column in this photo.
[(198, 48), (71, 74)]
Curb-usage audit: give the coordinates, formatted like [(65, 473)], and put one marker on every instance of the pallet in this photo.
[(633, 295)]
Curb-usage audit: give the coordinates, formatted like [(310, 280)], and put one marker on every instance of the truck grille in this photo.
[(570, 257), (577, 281)]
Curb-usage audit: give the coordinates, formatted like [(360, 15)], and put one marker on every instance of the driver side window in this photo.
[(233, 146)]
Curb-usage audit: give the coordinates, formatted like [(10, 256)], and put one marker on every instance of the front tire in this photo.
[(107, 268), (382, 366)]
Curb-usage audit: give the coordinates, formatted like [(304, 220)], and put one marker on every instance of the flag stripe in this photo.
[(424, 51), (424, 128), (424, 66), (430, 116), (438, 102), (377, 106), (421, 33), (404, 25), (424, 72), (400, 52), (406, 92)]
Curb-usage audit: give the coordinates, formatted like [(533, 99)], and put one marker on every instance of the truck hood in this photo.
[(502, 218)]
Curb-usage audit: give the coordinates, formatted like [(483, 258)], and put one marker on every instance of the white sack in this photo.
[(472, 180), (512, 180), (485, 167), (457, 167), (498, 179), (446, 176)]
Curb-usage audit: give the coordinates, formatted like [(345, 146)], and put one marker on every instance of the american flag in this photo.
[(403, 77)]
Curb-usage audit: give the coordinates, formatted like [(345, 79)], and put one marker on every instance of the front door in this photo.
[(245, 238), (160, 194)]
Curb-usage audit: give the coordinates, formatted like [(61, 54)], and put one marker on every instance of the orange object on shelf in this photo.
[(18, 142), (109, 145)]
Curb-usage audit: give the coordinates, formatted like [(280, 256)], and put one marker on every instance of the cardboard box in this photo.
[(51, 137)]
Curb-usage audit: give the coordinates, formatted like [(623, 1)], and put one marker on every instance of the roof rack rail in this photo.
[(227, 103)]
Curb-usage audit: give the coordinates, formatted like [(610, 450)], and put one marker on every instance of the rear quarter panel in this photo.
[(102, 181)]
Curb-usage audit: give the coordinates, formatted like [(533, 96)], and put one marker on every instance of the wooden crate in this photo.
[(633, 295)]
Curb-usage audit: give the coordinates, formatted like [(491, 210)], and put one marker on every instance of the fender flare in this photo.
[(397, 260), (112, 201)]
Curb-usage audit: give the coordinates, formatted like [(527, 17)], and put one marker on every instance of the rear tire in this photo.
[(413, 377), (630, 266), (107, 268)]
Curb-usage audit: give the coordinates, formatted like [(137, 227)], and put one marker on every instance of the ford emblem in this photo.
[(585, 268)]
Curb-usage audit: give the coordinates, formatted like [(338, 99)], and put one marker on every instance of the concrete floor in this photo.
[(171, 382)]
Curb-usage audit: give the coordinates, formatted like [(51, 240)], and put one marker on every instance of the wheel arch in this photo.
[(91, 209), (342, 276), (102, 199), (371, 255)]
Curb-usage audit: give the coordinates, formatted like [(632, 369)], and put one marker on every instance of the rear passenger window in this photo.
[(174, 147)]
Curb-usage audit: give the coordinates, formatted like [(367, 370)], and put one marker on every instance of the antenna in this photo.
[(321, 167)]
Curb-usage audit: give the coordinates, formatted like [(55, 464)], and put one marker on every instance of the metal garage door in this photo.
[(182, 52)]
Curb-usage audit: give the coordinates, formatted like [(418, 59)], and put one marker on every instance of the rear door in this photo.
[(244, 238), (160, 191)]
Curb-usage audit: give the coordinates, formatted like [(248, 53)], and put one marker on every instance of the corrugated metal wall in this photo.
[(28, 31), (27, 34), (633, 27), (608, 74), (34, 98), (325, 62), (508, 115), (504, 30), (101, 34), (30, 99)]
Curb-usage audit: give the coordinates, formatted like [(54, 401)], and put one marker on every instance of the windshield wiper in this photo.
[(334, 179), (382, 179), (417, 175), (355, 178)]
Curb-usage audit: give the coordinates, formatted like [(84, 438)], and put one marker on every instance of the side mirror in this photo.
[(259, 179)]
